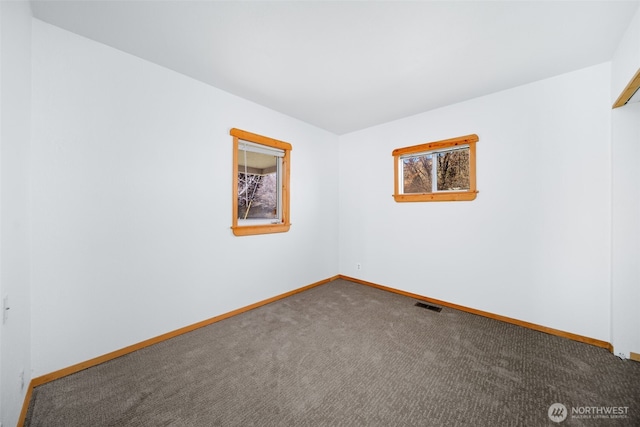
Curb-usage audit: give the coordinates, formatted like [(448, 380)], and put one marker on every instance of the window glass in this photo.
[(258, 185), (436, 171), (453, 169), (418, 173)]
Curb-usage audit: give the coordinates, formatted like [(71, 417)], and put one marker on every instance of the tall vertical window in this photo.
[(436, 171), (260, 184)]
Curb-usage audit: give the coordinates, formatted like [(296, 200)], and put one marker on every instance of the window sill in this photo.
[(249, 230), (453, 196)]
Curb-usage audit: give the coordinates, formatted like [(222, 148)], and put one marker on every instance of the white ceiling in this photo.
[(344, 66)]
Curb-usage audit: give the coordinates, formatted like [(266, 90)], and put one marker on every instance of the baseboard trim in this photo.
[(634, 356), (25, 404), (35, 382), (130, 349), (535, 327)]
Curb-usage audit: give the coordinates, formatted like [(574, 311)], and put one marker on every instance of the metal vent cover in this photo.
[(429, 307)]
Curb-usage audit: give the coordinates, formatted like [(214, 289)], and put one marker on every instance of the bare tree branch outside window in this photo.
[(257, 196), (452, 168)]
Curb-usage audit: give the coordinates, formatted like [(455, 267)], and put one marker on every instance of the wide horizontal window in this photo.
[(436, 171), (261, 184)]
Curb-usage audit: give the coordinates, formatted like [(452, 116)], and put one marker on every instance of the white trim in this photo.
[(259, 148)]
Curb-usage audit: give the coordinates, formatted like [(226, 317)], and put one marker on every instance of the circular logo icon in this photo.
[(557, 412)]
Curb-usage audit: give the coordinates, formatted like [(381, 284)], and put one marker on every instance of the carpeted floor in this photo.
[(350, 355)]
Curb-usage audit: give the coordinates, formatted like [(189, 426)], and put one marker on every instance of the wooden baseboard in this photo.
[(25, 404), (126, 350), (634, 356), (575, 337)]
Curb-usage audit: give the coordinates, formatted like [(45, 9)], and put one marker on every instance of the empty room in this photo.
[(319, 213)]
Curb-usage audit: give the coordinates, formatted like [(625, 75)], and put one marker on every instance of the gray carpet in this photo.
[(350, 355)]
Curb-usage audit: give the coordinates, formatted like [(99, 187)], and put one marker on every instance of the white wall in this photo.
[(534, 245), (626, 199), (15, 84), (131, 202), (131, 175)]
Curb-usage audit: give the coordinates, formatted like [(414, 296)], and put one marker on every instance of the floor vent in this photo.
[(429, 307)]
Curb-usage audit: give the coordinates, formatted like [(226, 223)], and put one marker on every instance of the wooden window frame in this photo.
[(444, 196), (285, 225)]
